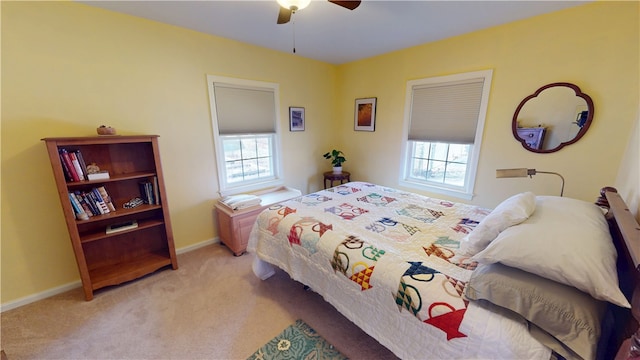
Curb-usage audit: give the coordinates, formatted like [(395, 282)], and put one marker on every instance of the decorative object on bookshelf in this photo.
[(90, 208), (135, 202), (106, 130), (93, 168), (113, 228), (102, 175), (94, 172)]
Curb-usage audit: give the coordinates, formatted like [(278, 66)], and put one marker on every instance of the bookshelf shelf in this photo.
[(121, 212), (99, 235), (118, 273), (113, 178), (111, 259)]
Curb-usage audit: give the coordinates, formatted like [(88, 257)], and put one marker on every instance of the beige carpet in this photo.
[(212, 307)]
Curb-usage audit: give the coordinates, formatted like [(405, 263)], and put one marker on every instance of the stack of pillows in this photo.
[(552, 261)]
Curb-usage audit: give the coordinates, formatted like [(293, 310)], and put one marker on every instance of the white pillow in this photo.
[(565, 240), (511, 211)]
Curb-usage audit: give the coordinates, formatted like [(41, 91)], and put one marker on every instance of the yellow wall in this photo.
[(67, 68), (595, 46), (628, 180)]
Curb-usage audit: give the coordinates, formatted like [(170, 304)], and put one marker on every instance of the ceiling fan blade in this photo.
[(284, 15), (349, 4)]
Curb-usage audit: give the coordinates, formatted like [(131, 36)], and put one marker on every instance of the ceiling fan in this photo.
[(288, 7)]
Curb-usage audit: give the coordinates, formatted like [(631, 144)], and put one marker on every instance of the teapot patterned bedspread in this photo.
[(386, 260)]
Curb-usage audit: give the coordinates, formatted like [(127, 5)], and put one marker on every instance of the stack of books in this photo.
[(149, 191), (87, 204)]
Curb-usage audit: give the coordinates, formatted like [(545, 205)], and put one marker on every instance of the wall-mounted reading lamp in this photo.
[(524, 172)]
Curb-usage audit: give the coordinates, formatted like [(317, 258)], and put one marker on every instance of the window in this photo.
[(244, 115), (444, 120)]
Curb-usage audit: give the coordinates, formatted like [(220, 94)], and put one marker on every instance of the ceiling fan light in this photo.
[(294, 4)]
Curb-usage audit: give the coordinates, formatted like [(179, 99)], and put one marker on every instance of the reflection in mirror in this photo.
[(554, 116)]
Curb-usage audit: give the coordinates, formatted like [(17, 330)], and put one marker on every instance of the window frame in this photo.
[(407, 155), (230, 188)]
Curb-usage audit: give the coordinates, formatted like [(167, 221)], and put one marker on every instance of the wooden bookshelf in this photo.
[(112, 259)]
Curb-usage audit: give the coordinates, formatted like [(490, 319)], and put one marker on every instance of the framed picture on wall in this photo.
[(365, 114), (296, 118)]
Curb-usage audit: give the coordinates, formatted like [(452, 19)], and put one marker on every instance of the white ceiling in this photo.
[(330, 33)]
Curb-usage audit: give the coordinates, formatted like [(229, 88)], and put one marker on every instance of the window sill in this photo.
[(435, 189), (251, 187)]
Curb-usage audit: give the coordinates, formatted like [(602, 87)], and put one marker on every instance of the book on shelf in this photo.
[(102, 205), (107, 199), (148, 193), (95, 201), (78, 210), (101, 175), (156, 192), (83, 165), (65, 168), (90, 199), (76, 165), (83, 203), (88, 202), (68, 166)]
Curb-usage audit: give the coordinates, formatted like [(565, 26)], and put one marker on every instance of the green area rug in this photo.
[(297, 342)]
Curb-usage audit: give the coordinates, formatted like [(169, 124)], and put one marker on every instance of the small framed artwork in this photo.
[(365, 118), (296, 118)]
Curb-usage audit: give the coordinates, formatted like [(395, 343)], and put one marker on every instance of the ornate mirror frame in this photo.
[(583, 128)]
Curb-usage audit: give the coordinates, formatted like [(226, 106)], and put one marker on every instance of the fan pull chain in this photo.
[(293, 23)]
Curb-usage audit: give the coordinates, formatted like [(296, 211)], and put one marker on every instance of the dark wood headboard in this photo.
[(625, 231)]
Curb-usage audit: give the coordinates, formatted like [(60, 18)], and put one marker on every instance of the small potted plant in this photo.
[(337, 158)]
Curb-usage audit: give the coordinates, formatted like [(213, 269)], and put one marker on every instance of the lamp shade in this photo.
[(509, 173), (294, 4)]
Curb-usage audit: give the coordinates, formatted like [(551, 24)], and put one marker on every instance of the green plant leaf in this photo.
[(336, 157)]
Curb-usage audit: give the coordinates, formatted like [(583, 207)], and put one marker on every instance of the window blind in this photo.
[(446, 112), (244, 110)]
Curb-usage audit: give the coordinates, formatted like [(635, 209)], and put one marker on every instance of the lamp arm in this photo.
[(550, 172)]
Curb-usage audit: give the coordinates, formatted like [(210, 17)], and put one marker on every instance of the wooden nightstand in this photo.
[(234, 227), (331, 177)]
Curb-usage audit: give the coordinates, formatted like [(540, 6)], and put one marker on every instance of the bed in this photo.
[(430, 278)]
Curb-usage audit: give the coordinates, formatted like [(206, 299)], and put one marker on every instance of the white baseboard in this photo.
[(72, 285), (197, 246), (39, 296)]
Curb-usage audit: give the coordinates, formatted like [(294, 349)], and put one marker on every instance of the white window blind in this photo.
[(446, 112), (246, 133), (244, 110)]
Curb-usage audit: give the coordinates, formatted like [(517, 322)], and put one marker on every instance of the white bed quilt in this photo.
[(386, 260)]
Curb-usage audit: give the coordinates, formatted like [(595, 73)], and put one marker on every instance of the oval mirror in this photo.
[(555, 116)]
